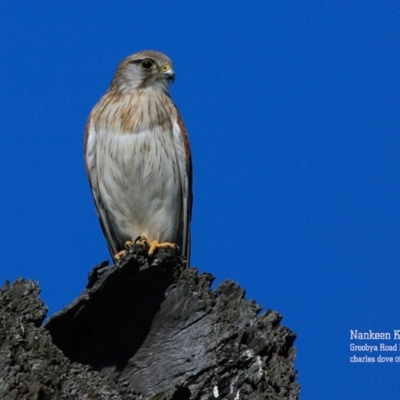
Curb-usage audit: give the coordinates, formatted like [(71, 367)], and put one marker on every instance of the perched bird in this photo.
[(138, 159)]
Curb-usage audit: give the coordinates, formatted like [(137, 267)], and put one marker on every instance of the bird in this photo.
[(138, 159)]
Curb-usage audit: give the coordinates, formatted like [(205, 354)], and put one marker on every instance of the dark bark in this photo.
[(144, 329), (31, 366)]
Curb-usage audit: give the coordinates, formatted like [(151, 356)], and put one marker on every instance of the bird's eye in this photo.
[(147, 64)]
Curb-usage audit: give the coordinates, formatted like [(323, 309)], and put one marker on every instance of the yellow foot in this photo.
[(123, 253), (155, 244)]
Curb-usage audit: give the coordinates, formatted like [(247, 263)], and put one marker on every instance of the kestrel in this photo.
[(138, 159)]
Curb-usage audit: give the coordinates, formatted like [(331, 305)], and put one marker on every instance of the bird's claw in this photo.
[(128, 244), (142, 241), (155, 244)]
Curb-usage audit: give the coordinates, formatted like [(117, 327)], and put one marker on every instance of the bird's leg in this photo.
[(155, 244), (123, 253)]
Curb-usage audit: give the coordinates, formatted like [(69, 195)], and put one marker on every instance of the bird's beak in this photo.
[(168, 72)]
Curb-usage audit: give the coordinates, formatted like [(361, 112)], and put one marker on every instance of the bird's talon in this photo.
[(120, 254), (155, 244), (129, 244), (142, 240)]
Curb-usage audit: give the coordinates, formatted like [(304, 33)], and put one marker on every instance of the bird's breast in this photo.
[(135, 113)]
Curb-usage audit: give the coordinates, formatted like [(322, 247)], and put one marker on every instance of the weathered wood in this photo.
[(31, 366), (150, 328)]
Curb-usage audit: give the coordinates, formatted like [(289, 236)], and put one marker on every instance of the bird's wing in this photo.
[(182, 148), (92, 172)]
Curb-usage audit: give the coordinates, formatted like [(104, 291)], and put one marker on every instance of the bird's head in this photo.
[(144, 70)]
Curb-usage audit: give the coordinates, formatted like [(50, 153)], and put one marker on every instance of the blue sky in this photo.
[(293, 114)]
